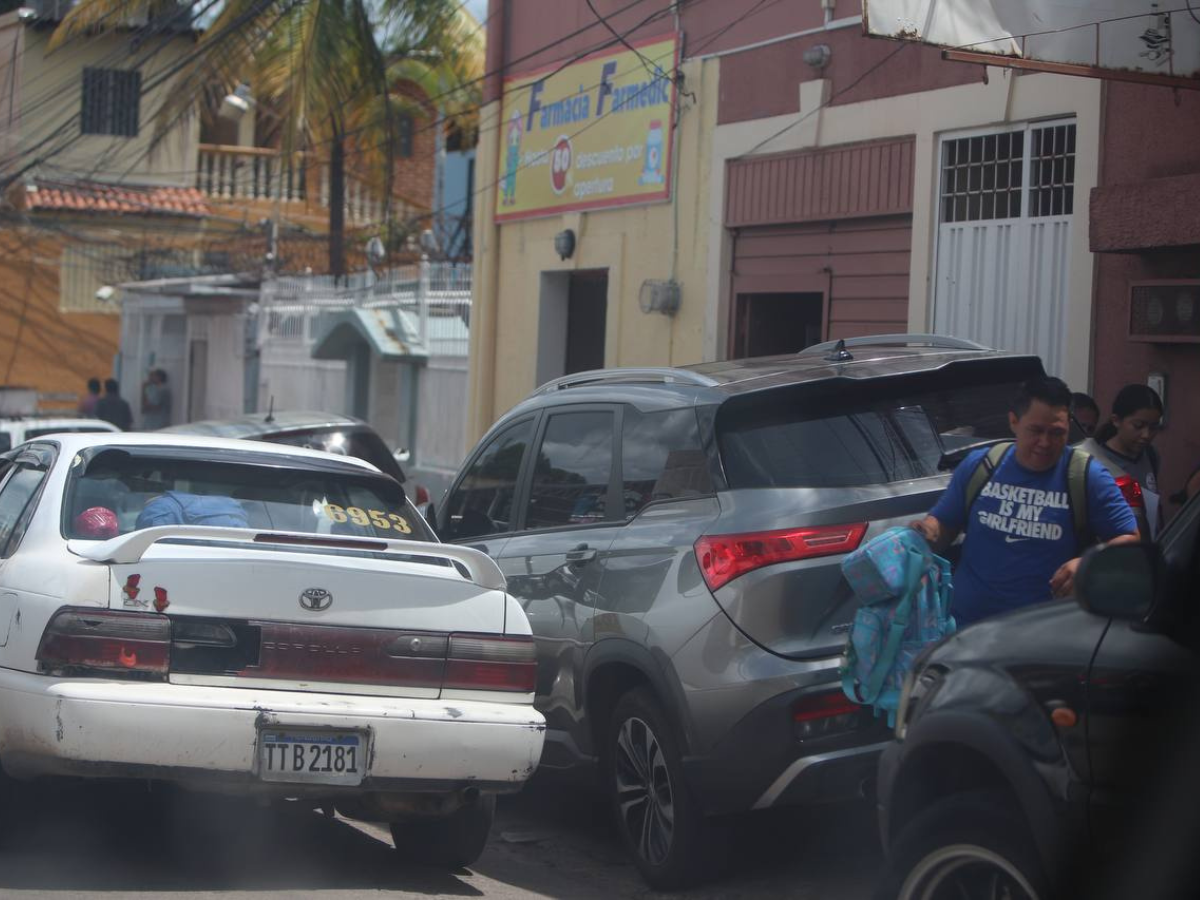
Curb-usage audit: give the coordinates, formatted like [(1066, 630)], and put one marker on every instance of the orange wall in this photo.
[(41, 347)]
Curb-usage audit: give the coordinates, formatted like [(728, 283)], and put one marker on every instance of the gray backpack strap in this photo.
[(1077, 491), (983, 473)]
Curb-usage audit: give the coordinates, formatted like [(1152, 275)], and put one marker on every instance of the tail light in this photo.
[(1131, 491), (105, 642), (484, 663), (815, 715), (724, 557)]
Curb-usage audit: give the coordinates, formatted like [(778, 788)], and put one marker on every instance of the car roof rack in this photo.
[(938, 341), (626, 376)]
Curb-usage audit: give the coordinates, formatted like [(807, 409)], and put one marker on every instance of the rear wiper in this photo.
[(952, 458)]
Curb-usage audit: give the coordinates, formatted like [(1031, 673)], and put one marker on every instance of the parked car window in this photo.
[(661, 458), (573, 471), (848, 439), (5, 441), (482, 503), (361, 444), (17, 506), (145, 490)]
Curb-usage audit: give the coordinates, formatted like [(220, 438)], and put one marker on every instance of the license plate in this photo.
[(312, 756)]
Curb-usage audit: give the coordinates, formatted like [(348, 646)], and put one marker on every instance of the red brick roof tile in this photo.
[(139, 200)]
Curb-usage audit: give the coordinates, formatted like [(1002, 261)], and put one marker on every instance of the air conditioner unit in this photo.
[(1166, 312)]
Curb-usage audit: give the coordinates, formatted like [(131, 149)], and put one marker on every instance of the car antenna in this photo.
[(270, 412), (839, 353)]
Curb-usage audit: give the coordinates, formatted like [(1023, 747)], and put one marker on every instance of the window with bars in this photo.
[(111, 101), (1052, 171), (984, 176)]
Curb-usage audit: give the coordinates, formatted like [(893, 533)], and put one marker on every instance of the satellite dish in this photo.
[(376, 252)]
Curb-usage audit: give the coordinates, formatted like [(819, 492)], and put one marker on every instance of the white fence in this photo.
[(436, 295), (255, 173), (436, 300)]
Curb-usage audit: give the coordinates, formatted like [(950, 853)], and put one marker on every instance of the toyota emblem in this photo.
[(316, 599)]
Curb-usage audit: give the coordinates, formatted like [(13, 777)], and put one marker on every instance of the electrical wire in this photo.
[(816, 109)]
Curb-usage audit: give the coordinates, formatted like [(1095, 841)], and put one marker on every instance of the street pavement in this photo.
[(551, 841)]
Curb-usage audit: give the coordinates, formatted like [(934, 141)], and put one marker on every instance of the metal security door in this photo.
[(1004, 239)]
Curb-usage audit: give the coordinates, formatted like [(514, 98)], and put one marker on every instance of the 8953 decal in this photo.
[(367, 517)]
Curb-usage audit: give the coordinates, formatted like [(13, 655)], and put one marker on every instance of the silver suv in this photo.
[(675, 537)]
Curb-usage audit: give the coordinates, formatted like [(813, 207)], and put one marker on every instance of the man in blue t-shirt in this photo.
[(1020, 545)]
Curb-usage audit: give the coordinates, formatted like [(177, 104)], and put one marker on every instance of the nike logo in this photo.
[(1009, 539)]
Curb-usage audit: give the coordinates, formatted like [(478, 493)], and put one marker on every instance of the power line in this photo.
[(816, 109)]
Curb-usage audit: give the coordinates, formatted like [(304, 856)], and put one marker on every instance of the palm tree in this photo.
[(321, 65)]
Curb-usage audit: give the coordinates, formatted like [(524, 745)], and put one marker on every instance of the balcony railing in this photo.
[(256, 173)]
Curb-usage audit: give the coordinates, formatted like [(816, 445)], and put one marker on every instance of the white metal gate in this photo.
[(1006, 203)]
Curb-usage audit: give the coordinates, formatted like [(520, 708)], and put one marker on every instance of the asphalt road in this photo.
[(551, 841)]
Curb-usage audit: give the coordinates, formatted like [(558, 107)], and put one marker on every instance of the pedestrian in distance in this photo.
[(156, 401), (1125, 444), (87, 406), (1085, 414), (113, 408), (1027, 509)]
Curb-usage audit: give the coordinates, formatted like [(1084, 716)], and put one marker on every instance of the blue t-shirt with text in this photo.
[(1020, 530)]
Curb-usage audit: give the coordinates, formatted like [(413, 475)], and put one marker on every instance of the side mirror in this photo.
[(1119, 582)]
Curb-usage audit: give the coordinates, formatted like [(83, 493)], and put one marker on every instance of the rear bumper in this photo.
[(760, 764), (207, 735)]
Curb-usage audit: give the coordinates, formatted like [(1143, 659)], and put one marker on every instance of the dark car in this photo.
[(675, 537), (1034, 749), (332, 433)]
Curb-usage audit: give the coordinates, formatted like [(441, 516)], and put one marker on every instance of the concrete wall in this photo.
[(40, 347), (292, 379), (1151, 133), (50, 98)]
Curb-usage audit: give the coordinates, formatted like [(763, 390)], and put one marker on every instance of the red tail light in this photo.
[(815, 715), (1131, 490), (484, 663), (83, 641), (823, 706), (724, 557)]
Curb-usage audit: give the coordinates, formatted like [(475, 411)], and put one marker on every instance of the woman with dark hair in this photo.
[(1124, 445)]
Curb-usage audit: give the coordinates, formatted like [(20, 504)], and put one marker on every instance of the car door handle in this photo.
[(581, 554)]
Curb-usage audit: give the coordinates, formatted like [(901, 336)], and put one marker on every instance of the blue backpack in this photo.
[(905, 592)]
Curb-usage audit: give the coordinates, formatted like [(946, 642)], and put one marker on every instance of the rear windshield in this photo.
[(115, 492), (359, 443), (842, 436)]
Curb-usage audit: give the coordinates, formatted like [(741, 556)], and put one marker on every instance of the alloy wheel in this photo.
[(966, 872), (645, 800)]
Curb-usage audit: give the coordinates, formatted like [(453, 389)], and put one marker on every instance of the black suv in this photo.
[(1035, 751), (675, 538), (330, 432)]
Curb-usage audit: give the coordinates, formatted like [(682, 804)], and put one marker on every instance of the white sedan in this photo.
[(245, 618)]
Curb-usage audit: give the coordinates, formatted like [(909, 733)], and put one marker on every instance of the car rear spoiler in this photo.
[(130, 548)]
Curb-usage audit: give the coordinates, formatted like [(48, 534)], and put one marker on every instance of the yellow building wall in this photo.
[(51, 88), (633, 243)]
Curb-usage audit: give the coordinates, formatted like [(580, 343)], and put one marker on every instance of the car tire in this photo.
[(451, 842), (672, 843), (14, 806), (963, 843)]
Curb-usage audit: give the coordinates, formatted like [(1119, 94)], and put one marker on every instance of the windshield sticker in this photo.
[(383, 521)]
